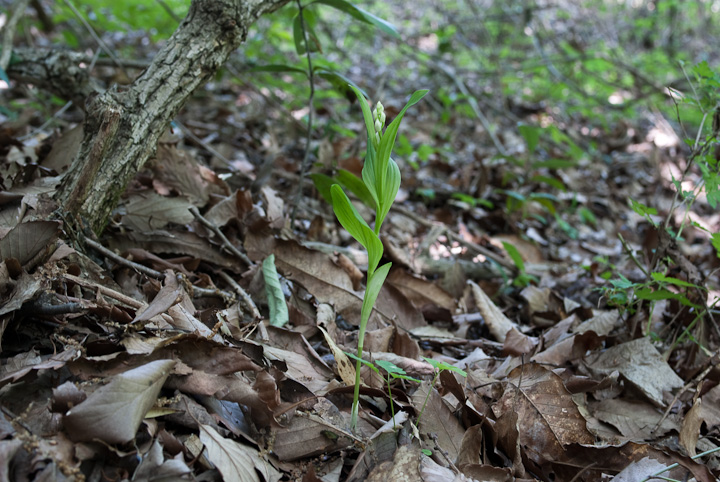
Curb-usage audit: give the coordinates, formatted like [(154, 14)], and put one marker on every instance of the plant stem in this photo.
[(311, 99)]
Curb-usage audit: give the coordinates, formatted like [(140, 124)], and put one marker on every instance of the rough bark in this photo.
[(123, 125), (57, 71)]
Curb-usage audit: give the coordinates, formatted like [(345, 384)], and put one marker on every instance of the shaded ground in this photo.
[(571, 337)]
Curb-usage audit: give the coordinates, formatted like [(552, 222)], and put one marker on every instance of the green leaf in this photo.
[(372, 291), (366, 363), (367, 114), (275, 296), (362, 15), (441, 365), (4, 76), (703, 69), (387, 142), (277, 68), (313, 41), (623, 283), (405, 377), (339, 82), (356, 226), (323, 183), (551, 181), (426, 452), (388, 192), (531, 134), (642, 209), (674, 281), (390, 367), (715, 241), (514, 255), (554, 164), (356, 186), (663, 294)]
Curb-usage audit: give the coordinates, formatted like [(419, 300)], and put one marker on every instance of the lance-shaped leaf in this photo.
[(372, 291), (356, 226), (356, 186), (362, 15), (388, 138), (390, 187)]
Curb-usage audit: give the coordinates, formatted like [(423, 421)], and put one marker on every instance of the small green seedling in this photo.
[(381, 176), (395, 372), (392, 370), (439, 367)]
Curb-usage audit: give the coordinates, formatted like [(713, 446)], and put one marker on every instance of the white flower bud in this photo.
[(378, 126), (377, 139)]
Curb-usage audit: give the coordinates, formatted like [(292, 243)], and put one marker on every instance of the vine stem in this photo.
[(311, 77)]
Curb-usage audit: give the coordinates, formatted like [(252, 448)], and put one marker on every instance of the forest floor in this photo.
[(539, 320)]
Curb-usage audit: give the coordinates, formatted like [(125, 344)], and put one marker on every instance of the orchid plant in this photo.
[(381, 176)]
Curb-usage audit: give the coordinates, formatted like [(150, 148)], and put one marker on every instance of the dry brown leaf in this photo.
[(496, 321), (114, 412), (549, 417), (420, 291), (437, 419), (690, 431), (307, 435), (346, 370), (236, 462), (635, 420), (641, 365)]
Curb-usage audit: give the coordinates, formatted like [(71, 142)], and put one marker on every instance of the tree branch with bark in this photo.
[(123, 124)]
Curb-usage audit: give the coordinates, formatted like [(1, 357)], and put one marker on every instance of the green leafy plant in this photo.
[(393, 371), (523, 278), (439, 367), (381, 177)]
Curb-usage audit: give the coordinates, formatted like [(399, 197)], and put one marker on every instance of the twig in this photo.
[(200, 292), (311, 99), (169, 10), (247, 301), (226, 242), (694, 381), (9, 32), (204, 144)]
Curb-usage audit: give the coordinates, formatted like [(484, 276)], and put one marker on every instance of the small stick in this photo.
[(226, 242), (247, 301), (151, 273)]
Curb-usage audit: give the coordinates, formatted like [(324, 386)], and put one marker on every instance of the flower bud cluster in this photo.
[(378, 114)]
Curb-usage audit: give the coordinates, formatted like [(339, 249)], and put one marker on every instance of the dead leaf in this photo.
[(114, 412), (690, 431), (548, 417), (496, 321), (641, 365), (436, 418), (236, 462), (26, 240), (150, 211)]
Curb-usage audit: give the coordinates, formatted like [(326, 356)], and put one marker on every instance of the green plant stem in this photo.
[(311, 100), (427, 397), (670, 467), (392, 406), (358, 365)]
